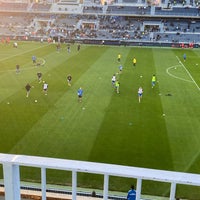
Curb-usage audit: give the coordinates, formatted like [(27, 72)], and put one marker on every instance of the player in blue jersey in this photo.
[(131, 193), (80, 94), (184, 57), (120, 69), (34, 59)]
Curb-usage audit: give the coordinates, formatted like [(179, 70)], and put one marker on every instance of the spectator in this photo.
[(131, 193)]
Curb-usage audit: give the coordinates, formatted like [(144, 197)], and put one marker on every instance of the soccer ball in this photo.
[(36, 101)]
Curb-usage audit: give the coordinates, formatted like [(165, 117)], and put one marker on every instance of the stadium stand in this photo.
[(186, 11), (93, 10), (13, 6), (129, 10), (40, 7), (101, 27), (68, 2)]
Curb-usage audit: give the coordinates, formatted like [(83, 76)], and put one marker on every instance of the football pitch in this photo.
[(160, 132)]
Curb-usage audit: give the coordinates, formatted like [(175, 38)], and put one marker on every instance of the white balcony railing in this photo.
[(12, 163)]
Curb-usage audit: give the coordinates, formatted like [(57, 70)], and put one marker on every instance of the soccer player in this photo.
[(28, 89), (39, 75), (34, 59), (117, 86), (184, 57), (131, 193), (120, 69), (113, 80), (80, 94), (69, 79), (68, 48), (78, 47), (119, 57), (134, 62), (58, 47), (17, 69), (140, 92), (45, 88), (153, 80), (15, 45)]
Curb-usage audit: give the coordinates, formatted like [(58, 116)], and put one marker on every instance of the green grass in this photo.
[(106, 127)]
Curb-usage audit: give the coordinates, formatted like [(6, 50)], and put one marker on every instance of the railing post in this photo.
[(11, 181), (138, 188), (74, 184), (172, 191), (105, 187), (43, 182)]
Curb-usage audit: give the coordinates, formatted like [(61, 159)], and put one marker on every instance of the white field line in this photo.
[(25, 68), (170, 74), (188, 73), (13, 55)]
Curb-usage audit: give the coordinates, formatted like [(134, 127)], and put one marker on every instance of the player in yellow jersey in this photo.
[(117, 86), (153, 80), (134, 62), (119, 57)]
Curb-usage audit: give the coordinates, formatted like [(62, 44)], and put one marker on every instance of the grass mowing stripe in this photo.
[(129, 134), (15, 95), (28, 71), (67, 121), (179, 114), (69, 97), (111, 128)]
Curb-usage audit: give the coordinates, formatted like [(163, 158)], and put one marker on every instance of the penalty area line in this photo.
[(188, 73), (170, 74)]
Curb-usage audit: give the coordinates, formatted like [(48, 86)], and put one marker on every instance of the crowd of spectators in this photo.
[(97, 25), (101, 27)]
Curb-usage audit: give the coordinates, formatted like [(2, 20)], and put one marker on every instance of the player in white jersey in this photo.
[(113, 80), (140, 92), (45, 88)]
